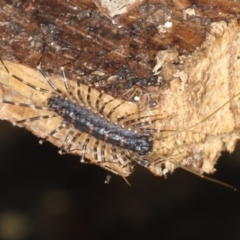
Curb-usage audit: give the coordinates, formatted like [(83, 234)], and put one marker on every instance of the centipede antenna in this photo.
[(208, 178), (161, 161), (128, 183)]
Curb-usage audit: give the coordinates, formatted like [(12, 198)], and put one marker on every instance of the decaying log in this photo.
[(173, 63)]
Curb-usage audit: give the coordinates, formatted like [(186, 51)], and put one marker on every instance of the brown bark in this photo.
[(176, 61)]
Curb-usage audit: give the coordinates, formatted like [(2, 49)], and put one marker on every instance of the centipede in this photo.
[(107, 139), (103, 135)]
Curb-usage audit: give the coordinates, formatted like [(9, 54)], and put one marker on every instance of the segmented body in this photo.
[(87, 121), (92, 125)]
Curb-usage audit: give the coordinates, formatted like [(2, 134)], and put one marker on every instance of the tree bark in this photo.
[(173, 64)]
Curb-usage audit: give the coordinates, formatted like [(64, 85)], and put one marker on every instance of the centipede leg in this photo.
[(84, 148), (66, 141), (59, 128)]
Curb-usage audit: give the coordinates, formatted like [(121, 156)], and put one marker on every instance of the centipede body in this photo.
[(89, 122), (98, 138)]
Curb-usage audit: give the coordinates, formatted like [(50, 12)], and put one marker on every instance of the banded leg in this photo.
[(80, 97), (32, 106), (101, 110), (122, 118), (106, 162), (84, 148), (136, 121), (103, 152), (73, 141), (59, 128), (32, 119), (98, 100), (65, 81), (25, 82), (146, 123), (50, 83), (97, 103), (95, 150), (79, 92), (143, 126), (89, 96), (139, 160), (126, 158), (115, 157), (66, 141), (137, 124), (25, 105), (113, 110)]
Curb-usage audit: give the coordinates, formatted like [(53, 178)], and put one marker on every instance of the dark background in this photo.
[(48, 196)]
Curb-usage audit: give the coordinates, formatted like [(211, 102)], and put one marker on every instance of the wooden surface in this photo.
[(181, 58)]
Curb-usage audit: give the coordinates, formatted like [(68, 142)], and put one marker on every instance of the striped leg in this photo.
[(126, 158), (65, 81), (27, 83), (32, 106), (34, 119), (79, 92), (139, 159), (84, 148), (25, 105), (59, 128), (95, 150), (50, 83), (69, 148), (69, 135)]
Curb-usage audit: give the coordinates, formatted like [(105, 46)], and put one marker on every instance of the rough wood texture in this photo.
[(182, 57), (121, 49)]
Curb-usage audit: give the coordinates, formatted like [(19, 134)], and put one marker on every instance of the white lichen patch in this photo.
[(117, 7)]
